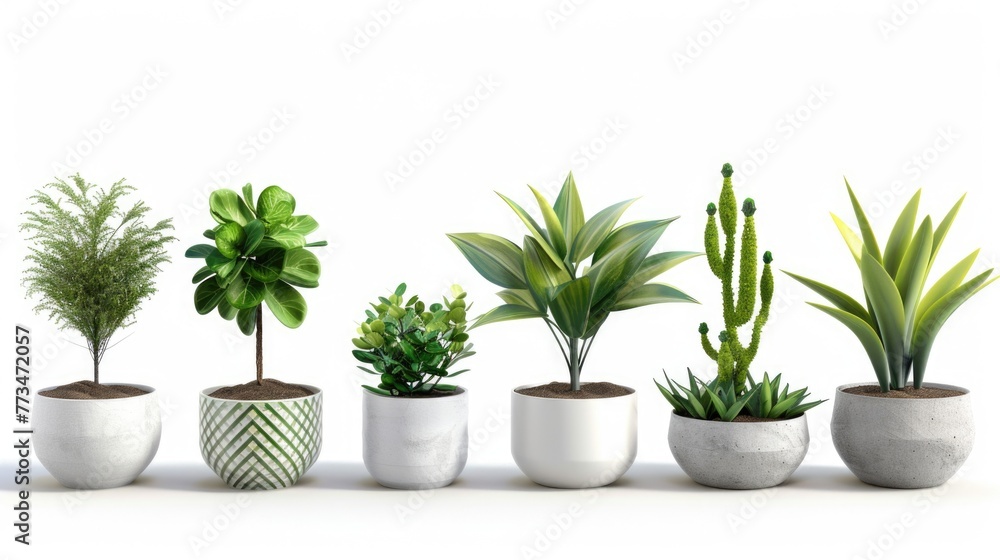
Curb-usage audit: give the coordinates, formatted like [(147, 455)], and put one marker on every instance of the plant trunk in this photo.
[(260, 345), (97, 373), (574, 364)]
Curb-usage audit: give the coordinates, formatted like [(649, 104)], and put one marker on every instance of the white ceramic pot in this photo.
[(96, 443), (738, 455), (573, 443), (903, 443), (261, 445), (415, 443)]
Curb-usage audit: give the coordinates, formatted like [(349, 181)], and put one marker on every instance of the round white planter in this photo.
[(738, 455), (573, 443), (903, 443), (415, 443), (97, 443), (261, 445)]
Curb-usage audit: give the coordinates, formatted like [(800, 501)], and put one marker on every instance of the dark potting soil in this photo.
[(428, 395), (748, 418), (88, 390), (268, 390), (907, 393), (557, 390)]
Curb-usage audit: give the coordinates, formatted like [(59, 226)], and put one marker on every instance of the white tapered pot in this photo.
[(96, 443), (573, 443)]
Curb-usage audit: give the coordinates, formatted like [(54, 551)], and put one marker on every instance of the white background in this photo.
[(638, 99)]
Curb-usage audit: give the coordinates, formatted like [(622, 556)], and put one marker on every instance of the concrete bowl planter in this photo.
[(903, 443), (573, 443), (738, 455), (415, 443), (96, 443), (261, 445)]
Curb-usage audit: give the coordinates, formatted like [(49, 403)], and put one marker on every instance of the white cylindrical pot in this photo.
[(573, 443), (738, 455), (903, 443), (96, 443), (261, 445), (415, 443)]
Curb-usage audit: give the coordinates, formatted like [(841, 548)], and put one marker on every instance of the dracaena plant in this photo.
[(411, 346), (573, 272), (259, 256), (900, 318), (92, 262)]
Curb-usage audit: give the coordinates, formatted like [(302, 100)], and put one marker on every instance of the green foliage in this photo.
[(900, 319), (716, 399), (411, 346), (548, 276), (259, 256), (767, 402), (92, 262)]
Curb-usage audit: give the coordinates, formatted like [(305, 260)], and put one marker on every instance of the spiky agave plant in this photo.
[(899, 321), (547, 276)]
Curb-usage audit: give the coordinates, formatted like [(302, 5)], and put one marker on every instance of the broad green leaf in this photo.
[(534, 229), (836, 297), (869, 339), (226, 206), (596, 230), (651, 294), (889, 312), (303, 225), (209, 233), (854, 243), (653, 266), (556, 236), (867, 233), (301, 268), (931, 322), (625, 233), (229, 239), (267, 266), (246, 319), (244, 292), (912, 274), (203, 273), (948, 282), (569, 209), (275, 205), (226, 311), (207, 296), (571, 307), (544, 275), (617, 266), (219, 263), (282, 237), (254, 235), (901, 236), (199, 251), (498, 260), (507, 312), (248, 196), (518, 297), (942, 230), (286, 303), (225, 280)]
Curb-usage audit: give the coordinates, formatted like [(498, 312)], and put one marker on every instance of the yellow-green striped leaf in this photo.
[(596, 230), (498, 260)]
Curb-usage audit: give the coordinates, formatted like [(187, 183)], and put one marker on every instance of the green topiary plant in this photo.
[(259, 256), (899, 322), (411, 345), (92, 262), (547, 276)]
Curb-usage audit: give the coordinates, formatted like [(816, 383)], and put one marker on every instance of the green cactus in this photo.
[(732, 356)]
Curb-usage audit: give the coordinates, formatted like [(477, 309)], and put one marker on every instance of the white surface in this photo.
[(607, 77)]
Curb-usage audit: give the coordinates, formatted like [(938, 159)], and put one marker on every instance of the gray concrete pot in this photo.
[(738, 456), (903, 443), (573, 443), (415, 443), (97, 443)]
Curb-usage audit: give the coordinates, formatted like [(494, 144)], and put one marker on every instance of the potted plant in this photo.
[(264, 434), (92, 265), (901, 433), (726, 433), (573, 435), (415, 428)]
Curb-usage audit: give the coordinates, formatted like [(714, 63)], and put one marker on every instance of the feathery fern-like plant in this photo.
[(92, 262)]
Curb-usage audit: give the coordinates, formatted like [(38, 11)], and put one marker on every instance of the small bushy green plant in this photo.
[(411, 346)]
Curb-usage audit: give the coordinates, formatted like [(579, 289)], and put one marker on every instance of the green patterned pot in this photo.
[(261, 445)]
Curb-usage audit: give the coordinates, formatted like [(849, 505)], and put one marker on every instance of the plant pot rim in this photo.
[(515, 390), (799, 418), (316, 393), (459, 391), (149, 391), (965, 392)]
